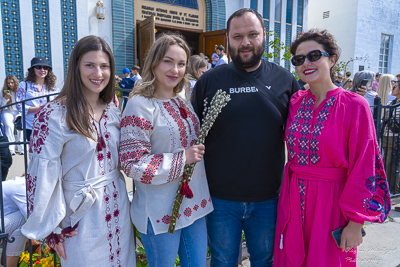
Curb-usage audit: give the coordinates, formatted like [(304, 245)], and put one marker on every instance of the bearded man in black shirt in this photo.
[(244, 149)]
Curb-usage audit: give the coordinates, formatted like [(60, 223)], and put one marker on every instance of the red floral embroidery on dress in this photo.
[(40, 129), (203, 203), (196, 207), (133, 149), (136, 121), (193, 117), (31, 189), (151, 169), (114, 230), (188, 212), (166, 219), (175, 114)]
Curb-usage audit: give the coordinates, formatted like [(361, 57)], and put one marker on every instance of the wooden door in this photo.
[(208, 40), (146, 37)]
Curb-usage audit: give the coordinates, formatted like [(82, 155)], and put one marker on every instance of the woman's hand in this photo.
[(362, 90), (351, 236), (59, 248), (7, 96), (194, 153)]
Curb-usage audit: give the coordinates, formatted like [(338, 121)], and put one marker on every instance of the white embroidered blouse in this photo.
[(154, 136), (71, 179)]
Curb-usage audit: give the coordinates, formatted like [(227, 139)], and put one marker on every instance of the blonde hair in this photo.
[(195, 63), (385, 87), (146, 86)]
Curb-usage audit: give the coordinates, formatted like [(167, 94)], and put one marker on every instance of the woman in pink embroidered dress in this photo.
[(334, 177), (76, 193), (158, 129)]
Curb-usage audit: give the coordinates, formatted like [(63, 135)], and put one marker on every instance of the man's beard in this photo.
[(252, 61)]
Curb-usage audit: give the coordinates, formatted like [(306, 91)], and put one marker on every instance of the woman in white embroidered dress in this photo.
[(8, 114), (76, 193), (40, 81), (158, 129)]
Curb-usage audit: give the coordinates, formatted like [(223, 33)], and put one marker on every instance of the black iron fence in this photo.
[(387, 126)]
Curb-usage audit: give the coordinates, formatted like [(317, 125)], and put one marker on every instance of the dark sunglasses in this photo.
[(42, 67), (311, 56)]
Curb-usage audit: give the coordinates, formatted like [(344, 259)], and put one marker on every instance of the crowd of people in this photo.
[(334, 179)]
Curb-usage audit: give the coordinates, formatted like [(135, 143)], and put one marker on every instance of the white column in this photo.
[(56, 40), (283, 29), (28, 37)]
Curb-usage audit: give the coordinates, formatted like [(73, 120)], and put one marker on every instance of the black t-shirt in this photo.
[(244, 149)]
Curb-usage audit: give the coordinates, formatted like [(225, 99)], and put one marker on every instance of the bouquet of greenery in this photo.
[(219, 100)]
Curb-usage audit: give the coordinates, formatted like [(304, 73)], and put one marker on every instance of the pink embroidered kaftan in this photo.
[(334, 174), (71, 179)]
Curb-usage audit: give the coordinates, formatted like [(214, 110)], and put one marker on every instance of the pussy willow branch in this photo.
[(210, 114)]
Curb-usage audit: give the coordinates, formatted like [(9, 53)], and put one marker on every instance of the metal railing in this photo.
[(3, 234)]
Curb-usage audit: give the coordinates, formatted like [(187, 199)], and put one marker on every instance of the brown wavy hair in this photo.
[(49, 80), (5, 86), (145, 87), (78, 109), (324, 38)]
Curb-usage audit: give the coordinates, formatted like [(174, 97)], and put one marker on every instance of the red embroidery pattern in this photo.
[(166, 219), (177, 165), (114, 229), (148, 174), (133, 149), (203, 203), (136, 121), (177, 117), (31, 189), (40, 129), (193, 117), (188, 212)]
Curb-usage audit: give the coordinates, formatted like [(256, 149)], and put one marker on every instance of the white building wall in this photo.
[(358, 28), (56, 39), (341, 23), (376, 17), (27, 35)]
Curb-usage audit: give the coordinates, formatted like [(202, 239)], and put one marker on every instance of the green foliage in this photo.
[(275, 47), (342, 66)]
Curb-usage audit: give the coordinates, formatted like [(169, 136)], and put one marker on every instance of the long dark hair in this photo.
[(49, 80), (78, 115)]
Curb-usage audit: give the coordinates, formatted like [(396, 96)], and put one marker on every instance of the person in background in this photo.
[(214, 57), (348, 75), (126, 84), (15, 213), (135, 73), (5, 155), (158, 129), (223, 59), (339, 80), (385, 86), (10, 113), (197, 67), (40, 81), (77, 197), (376, 82), (207, 58), (334, 177), (367, 75)]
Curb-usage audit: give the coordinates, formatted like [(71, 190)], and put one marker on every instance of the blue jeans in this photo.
[(190, 243), (225, 225)]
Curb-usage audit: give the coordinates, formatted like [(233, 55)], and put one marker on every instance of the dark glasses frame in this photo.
[(39, 67), (312, 56)]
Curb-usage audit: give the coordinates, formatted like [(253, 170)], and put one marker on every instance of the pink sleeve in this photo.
[(366, 195)]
